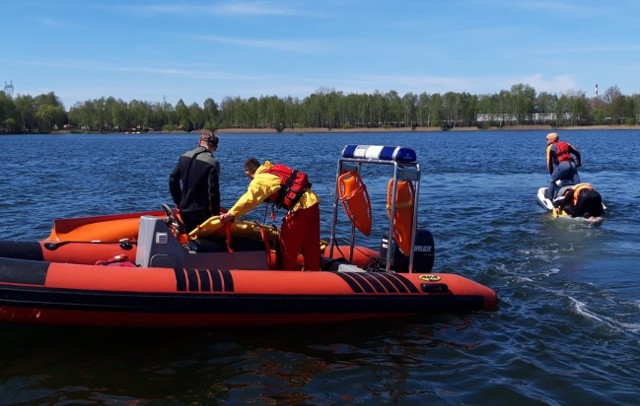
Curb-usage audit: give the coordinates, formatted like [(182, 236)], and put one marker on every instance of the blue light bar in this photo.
[(386, 153)]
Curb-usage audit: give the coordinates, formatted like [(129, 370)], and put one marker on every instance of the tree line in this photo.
[(326, 108)]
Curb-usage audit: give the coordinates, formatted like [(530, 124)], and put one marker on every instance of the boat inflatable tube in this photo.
[(385, 153), (403, 219), (353, 194)]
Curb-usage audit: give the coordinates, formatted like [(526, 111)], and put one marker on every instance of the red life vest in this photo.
[(293, 183), (562, 151)]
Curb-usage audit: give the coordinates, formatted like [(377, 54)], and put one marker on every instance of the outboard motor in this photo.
[(424, 252)]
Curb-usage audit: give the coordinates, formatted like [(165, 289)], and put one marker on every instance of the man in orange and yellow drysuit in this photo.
[(561, 163), (281, 185)]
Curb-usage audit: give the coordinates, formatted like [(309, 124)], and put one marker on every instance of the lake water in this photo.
[(567, 330)]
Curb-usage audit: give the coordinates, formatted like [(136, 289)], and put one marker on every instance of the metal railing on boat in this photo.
[(404, 164)]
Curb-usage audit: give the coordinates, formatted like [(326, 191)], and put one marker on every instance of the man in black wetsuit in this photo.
[(194, 183)]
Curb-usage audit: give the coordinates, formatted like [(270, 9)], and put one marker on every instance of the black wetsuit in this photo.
[(195, 187)]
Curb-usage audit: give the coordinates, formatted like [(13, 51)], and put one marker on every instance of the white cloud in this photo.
[(550, 85), (282, 45), (234, 8)]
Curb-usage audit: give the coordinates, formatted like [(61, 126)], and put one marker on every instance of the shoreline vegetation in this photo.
[(327, 110), (320, 130), (425, 129)]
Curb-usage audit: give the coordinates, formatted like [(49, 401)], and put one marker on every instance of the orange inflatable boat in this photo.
[(136, 269)]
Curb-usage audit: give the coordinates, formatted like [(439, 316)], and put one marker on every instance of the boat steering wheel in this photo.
[(173, 221)]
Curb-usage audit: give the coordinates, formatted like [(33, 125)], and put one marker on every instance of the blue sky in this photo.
[(155, 50)]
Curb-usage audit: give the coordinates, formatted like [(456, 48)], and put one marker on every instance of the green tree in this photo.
[(49, 117), (634, 101), (197, 116), (394, 109), (324, 108), (617, 105), (544, 106), (141, 113), (523, 101), (8, 122), (578, 108), (424, 113), (212, 114), (26, 113), (182, 112), (410, 107), (378, 109)]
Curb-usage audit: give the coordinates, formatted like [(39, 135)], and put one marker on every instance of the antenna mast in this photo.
[(8, 88)]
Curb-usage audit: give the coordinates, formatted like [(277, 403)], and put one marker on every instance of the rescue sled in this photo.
[(144, 270)]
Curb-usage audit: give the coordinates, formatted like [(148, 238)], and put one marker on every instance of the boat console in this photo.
[(159, 248)]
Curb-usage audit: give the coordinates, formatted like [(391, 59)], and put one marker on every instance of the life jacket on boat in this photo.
[(577, 189), (403, 219), (293, 184), (353, 194), (562, 152)]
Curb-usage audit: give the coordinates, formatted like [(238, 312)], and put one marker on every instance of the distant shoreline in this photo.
[(423, 129), (316, 130)]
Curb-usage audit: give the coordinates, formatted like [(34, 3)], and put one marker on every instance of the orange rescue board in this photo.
[(353, 194), (403, 220)]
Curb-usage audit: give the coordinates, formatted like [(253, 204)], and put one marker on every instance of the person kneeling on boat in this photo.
[(287, 188), (579, 200)]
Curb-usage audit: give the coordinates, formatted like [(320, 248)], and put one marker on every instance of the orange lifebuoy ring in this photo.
[(353, 194), (403, 220)]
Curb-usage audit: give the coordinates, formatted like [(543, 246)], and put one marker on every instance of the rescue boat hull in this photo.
[(46, 293)]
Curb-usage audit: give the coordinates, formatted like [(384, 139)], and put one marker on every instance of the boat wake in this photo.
[(582, 309)]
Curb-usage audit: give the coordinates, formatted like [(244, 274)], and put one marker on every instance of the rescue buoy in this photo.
[(354, 196), (403, 220), (207, 228), (213, 227)]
